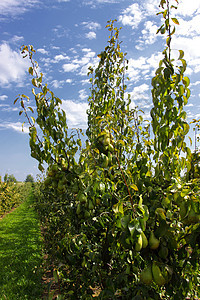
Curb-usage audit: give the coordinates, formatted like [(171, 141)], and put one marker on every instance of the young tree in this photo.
[(29, 178), (9, 178), (120, 220)]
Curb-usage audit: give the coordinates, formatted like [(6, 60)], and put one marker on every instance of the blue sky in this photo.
[(68, 35)]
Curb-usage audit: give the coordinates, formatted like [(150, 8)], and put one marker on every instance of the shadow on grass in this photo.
[(20, 255)]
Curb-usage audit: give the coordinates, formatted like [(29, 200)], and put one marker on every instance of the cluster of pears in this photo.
[(155, 272), (143, 242), (56, 177), (105, 142), (105, 160), (85, 205)]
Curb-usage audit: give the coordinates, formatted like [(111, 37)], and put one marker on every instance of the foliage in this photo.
[(9, 178), (120, 222), (29, 178), (11, 195)]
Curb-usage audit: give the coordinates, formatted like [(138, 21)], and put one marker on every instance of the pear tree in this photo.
[(120, 221)]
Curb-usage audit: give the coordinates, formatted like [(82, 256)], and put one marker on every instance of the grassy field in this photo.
[(20, 254)]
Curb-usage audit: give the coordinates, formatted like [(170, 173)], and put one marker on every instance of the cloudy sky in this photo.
[(68, 35)]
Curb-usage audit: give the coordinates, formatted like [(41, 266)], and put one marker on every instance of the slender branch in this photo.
[(131, 199), (169, 30)]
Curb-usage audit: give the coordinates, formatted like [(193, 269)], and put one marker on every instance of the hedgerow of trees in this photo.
[(120, 222), (12, 194)]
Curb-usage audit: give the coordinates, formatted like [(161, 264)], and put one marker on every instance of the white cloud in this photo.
[(143, 67), (189, 105), (15, 126), (12, 65), (140, 92), (9, 108), (76, 113), (189, 26), (132, 16), (4, 105), (57, 84), (16, 39), (85, 81), (43, 51), (196, 83), (81, 63), (94, 3), (60, 57), (3, 97), (16, 7), (68, 80), (59, 1), (70, 67), (60, 31), (148, 35), (91, 25), (83, 95), (90, 35), (55, 47), (188, 7), (191, 47)]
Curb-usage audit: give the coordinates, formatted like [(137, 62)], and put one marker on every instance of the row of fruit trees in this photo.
[(121, 221), (12, 195)]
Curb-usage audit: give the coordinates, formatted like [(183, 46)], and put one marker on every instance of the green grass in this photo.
[(20, 254)]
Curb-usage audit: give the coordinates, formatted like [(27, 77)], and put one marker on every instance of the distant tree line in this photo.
[(11, 178)]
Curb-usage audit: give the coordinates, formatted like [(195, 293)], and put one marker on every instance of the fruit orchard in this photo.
[(11, 195), (120, 222)]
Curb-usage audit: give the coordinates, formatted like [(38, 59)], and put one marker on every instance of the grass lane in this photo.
[(20, 254)]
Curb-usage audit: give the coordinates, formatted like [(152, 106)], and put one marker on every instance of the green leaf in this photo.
[(40, 167), (184, 63), (125, 221), (118, 208), (186, 81), (181, 54), (30, 108), (34, 82), (121, 142), (131, 227), (55, 275), (168, 41), (33, 120), (134, 187), (188, 93), (30, 70), (16, 100), (185, 100), (175, 21)]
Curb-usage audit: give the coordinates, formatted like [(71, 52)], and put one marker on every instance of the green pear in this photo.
[(82, 197), (143, 224), (157, 275), (144, 240), (146, 276), (153, 241), (105, 161), (138, 245)]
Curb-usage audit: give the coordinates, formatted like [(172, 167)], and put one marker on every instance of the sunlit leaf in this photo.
[(175, 21)]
